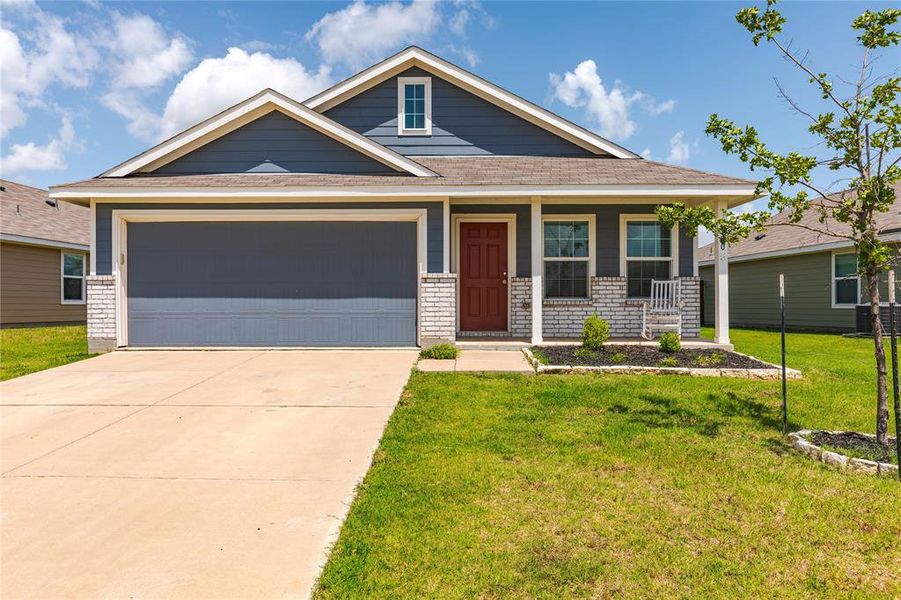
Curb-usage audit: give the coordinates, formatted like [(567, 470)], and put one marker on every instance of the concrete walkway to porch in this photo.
[(510, 361)]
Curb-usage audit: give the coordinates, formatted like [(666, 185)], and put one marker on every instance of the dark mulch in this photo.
[(645, 356), (855, 444)]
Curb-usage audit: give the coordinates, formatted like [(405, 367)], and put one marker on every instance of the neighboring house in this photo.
[(822, 289), (43, 257), (411, 203)]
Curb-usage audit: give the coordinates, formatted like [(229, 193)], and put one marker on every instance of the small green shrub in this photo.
[(669, 342), (540, 356), (585, 353), (595, 331), (669, 361), (618, 358), (710, 360), (440, 351)]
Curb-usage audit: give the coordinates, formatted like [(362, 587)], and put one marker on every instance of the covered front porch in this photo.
[(533, 269)]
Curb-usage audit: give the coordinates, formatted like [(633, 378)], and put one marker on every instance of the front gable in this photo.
[(273, 143), (463, 124), (416, 60), (267, 142)]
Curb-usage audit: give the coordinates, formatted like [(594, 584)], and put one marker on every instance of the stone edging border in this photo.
[(799, 442), (771, 372)]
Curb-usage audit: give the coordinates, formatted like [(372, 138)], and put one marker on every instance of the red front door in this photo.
[(483, 276)]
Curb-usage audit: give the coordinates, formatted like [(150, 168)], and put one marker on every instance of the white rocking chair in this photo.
[(663, 312)]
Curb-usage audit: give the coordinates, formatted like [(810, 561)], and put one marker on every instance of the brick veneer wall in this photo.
[(101, 313), (437, 308), (521, 306), (564, 318)]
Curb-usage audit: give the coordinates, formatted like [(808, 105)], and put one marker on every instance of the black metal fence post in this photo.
[(894, 344), (782, 321)]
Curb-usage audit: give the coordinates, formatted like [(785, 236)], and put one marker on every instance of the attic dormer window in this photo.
[(414, 106)]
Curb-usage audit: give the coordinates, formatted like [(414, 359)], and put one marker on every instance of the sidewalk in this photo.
[(508, 361)]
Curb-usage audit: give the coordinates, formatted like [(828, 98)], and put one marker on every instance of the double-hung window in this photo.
[(648, 251), (72, 278), (845, 281), (567, 256), (414, 105)]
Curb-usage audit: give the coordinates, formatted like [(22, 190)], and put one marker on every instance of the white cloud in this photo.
[(361, 32), (43, 54), (607, 110), (47, 157), (144, 56), (646, 153), (217, 83), (680, 151)]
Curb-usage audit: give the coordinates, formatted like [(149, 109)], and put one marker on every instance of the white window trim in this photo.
[(63, 276), (834, 278), (592, 247), (401, 83), (674, 245)]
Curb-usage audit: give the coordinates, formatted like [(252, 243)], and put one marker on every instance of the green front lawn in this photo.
[(592, 486), (31, 349)]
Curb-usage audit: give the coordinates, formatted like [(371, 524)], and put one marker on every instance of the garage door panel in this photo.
[(272, 284)]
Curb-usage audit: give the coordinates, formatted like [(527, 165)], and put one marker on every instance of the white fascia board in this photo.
[(587, 191), (41, 242), (294, 109), (482, 88), (891, 237)]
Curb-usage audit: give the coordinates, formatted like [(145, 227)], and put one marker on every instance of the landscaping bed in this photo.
[(644, 356), (849, 450), (648, 360)]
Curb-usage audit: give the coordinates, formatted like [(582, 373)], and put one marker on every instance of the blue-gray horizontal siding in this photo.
[(607, 234), (272, 284), (434, 220), (274, 143), (462, 124)]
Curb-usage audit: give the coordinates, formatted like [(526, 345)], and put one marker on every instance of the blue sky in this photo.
[(87, 85)]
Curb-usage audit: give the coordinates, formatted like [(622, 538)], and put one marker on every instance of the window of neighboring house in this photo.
[(567, 257), (414, 106), (648, 249), (845, 282), (72, 278)]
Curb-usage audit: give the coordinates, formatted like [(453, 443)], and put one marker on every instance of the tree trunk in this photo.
[(872, 276)]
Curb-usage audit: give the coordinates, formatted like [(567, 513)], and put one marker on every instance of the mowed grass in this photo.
[(26, 350), (503, 486)]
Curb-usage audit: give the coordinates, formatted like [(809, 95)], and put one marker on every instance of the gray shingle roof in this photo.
[(780, 236), (457, 170), (24, 212)]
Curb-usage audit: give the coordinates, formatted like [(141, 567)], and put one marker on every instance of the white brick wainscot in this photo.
[(564, 318), (437, 308), (101, 313)]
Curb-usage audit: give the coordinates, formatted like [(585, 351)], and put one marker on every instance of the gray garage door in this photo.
[(272, 284)]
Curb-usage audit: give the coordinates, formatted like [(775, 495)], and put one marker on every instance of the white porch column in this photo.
[(537, 270), (721, 284)]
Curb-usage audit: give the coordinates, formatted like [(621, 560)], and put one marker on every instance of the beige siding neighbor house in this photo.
[(822, 289), (43, 257)]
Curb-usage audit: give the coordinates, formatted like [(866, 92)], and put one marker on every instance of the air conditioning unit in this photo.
[(863, 318)]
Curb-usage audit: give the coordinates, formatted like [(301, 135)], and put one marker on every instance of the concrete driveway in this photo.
[(186, 474)]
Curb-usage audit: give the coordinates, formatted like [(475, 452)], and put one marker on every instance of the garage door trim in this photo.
[(121, 218)]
